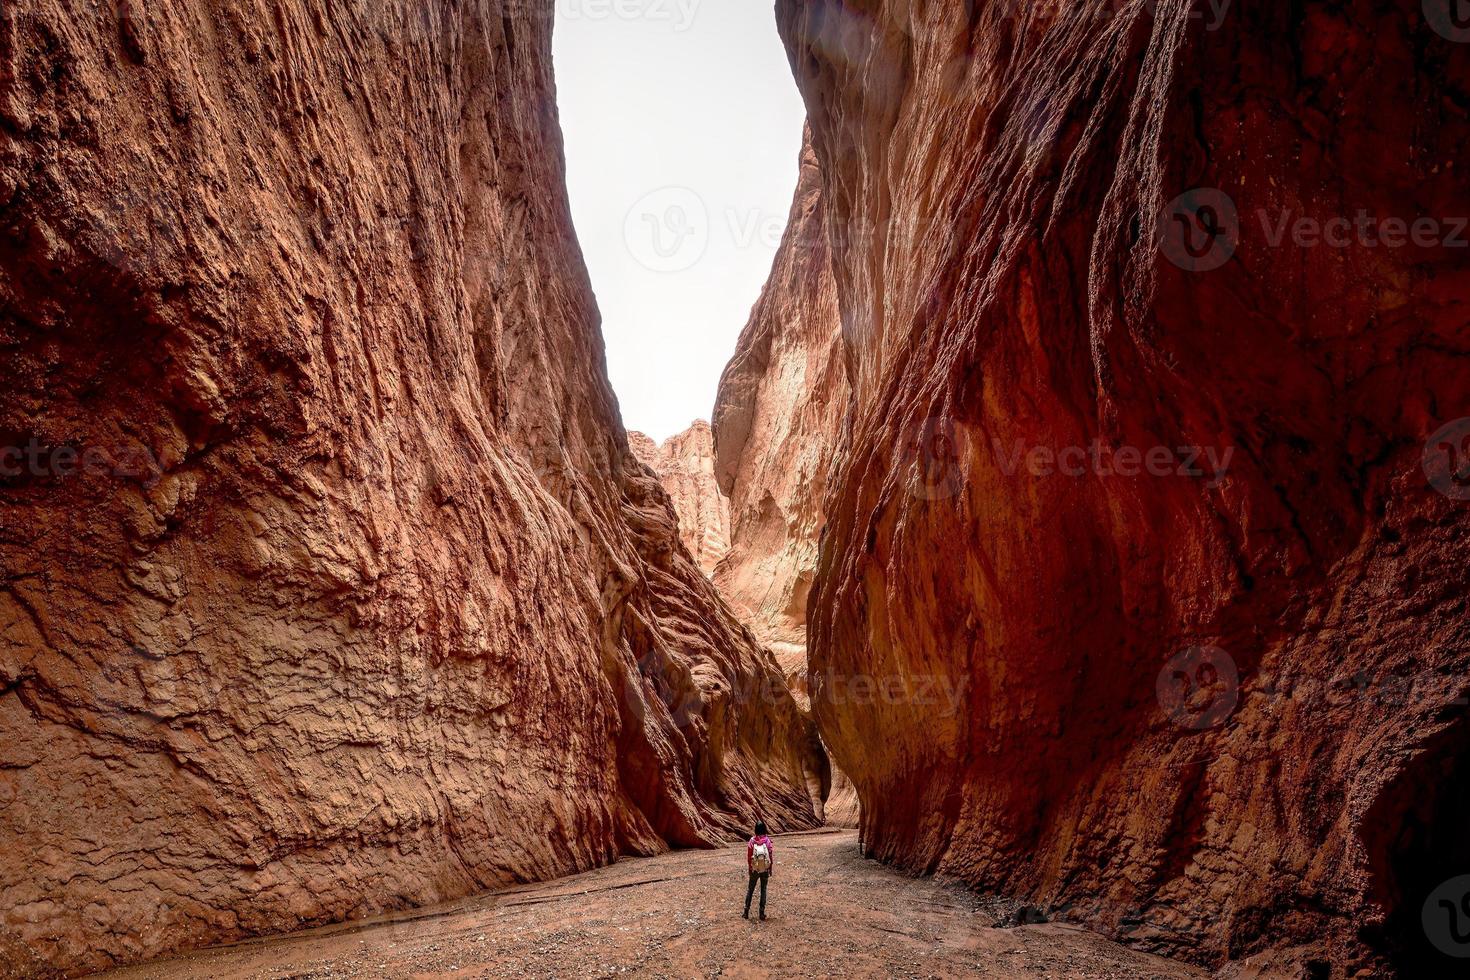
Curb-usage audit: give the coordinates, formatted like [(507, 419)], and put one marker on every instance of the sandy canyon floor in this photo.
[(830, 913)]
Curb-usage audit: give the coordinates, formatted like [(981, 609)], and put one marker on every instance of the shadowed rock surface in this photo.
[(1012, 276), (356, 599), (685, 465)]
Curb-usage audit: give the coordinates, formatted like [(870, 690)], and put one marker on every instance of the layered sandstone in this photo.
[(1209, 709), (685, 465), (356, 598)]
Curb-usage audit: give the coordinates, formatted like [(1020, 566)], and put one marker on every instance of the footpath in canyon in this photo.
[(830, 913)]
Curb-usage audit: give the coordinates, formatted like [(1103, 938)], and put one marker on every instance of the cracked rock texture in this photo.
[(685, 465), (1012, 277), (328, 583)]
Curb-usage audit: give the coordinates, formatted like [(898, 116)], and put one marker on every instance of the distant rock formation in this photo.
[(777, 419), (1129, 522), (328, 583), (777, 424), (685, 465)]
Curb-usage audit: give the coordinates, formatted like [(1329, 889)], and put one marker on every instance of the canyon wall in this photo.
[(1141, 594), (685, 466), (777, 425), (328, 583), (777, 418)]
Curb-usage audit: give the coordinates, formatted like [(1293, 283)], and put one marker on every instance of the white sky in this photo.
[(683, 130)]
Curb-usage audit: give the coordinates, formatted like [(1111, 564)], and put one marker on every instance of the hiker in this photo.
[(759, 859)]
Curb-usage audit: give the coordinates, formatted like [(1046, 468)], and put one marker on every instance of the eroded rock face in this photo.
[(685, 465), (777, 421), (1206, 704), (327, 581), (777, 424), (685, 468)]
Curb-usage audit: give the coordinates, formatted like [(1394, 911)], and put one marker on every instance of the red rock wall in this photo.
[(1000, 183), (685, 465), (777, 425), (327, 582), (777, 422)]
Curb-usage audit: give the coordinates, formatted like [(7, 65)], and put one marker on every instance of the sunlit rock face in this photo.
[(777, 419), (1147, 516), (777, 423), (685, 464), (328, 583)]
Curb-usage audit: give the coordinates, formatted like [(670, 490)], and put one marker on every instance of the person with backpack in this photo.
[(759, 858)]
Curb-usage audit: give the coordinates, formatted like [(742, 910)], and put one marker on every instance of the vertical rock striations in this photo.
[(777, 423), (1205, 702), (777, 419), (685, 465), (327, 581)]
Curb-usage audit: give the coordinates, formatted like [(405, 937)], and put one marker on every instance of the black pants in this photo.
[(763, 877)]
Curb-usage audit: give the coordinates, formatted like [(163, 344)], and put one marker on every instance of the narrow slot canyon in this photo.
[(1069, 571)]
